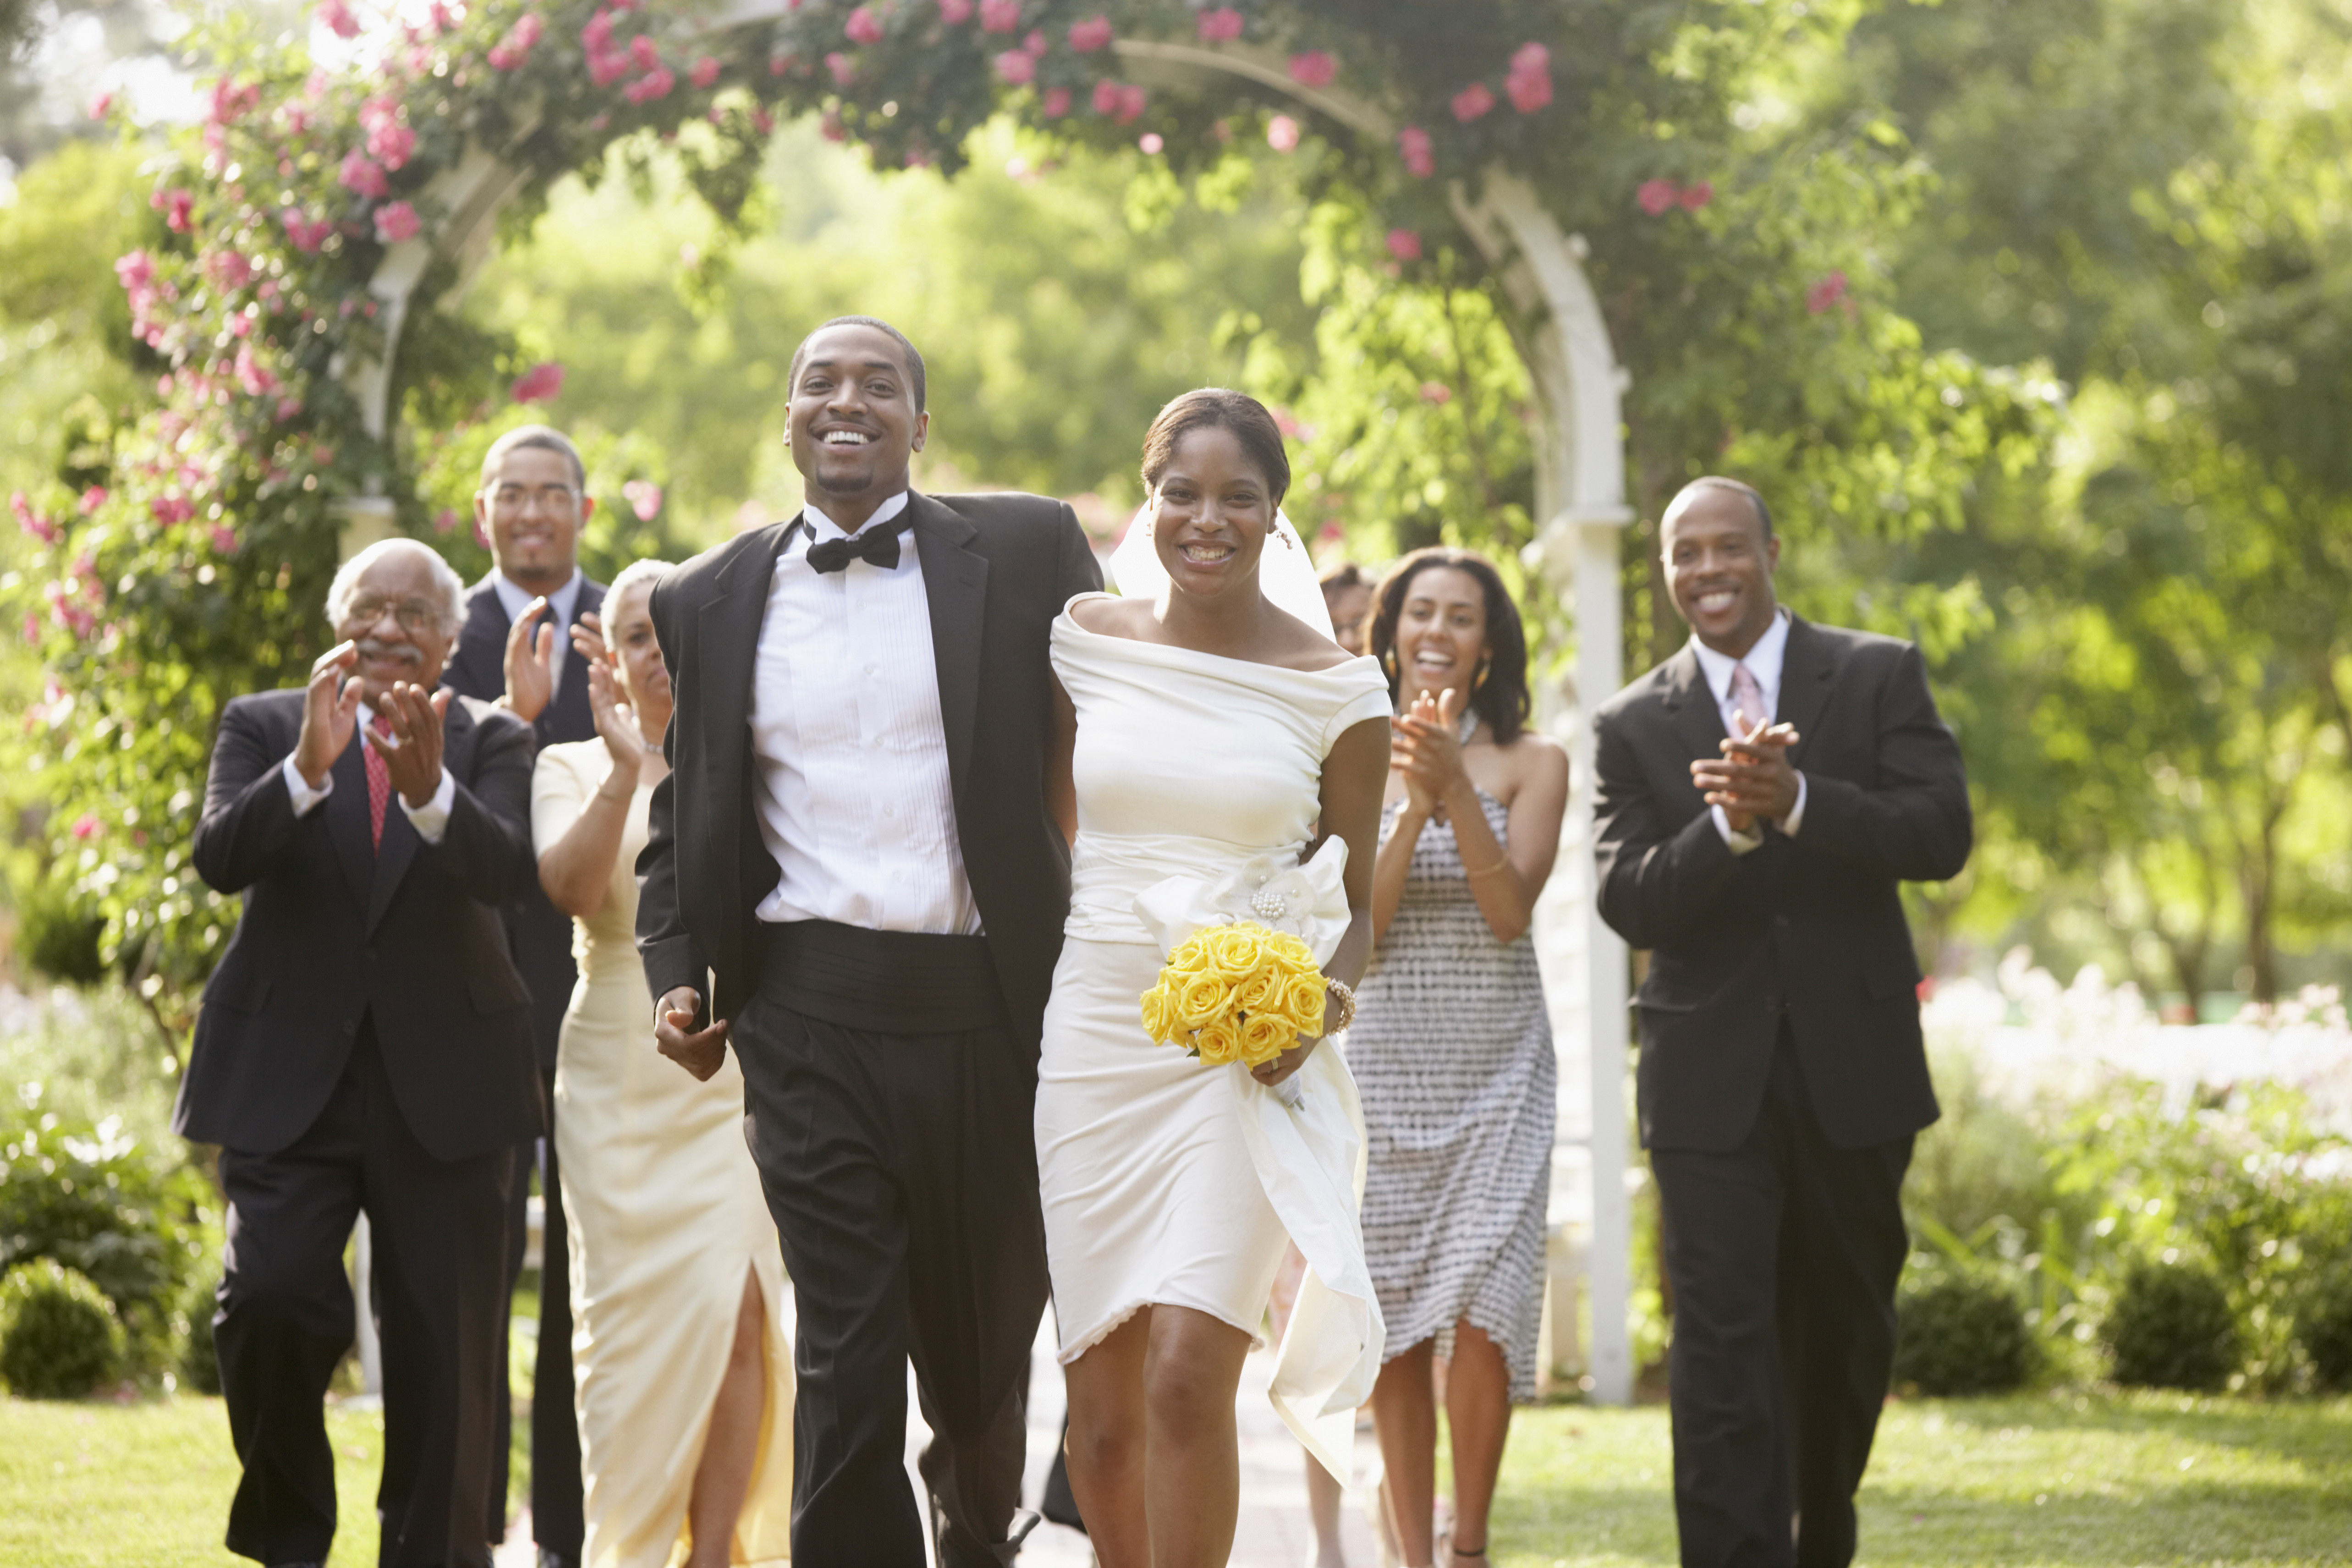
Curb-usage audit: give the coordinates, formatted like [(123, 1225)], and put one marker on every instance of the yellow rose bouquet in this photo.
[(1238, 993)]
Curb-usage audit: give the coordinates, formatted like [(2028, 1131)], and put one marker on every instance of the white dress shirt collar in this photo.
[(517, 599), (1763, 662)]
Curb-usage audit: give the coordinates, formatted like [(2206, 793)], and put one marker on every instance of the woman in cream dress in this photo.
[(685, 1376), (1213, 730)]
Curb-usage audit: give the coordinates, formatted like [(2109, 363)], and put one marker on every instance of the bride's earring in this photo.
[(1480, 678)]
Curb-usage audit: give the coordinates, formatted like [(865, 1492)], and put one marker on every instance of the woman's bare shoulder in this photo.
[(1109, 617)]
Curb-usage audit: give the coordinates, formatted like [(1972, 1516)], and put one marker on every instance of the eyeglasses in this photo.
[(523, 498), (413, 615)]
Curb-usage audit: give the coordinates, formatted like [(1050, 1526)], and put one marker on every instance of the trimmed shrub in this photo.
[(1962, 1335), (61, 1340), (2323, 1325), (2171, 1327)]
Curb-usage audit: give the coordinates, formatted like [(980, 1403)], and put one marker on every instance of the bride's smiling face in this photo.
[(1212, 511)]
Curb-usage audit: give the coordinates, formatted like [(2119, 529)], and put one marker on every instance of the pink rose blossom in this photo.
[(1529, 80), (1151, 143), (253, 375), (1055, 103), (597, 35), (1016, 68), (656, 83), (1087, 37), (303, 236), (1035, 42), (438, 18), (1693, 197), (539, 383), (1414, 147), (761, 120), (1314, 68), (100, 105), (705, 71), (955, 10), (396, 223), (1437, 392), (288, 408), (1281, 133), (645, 51), (1132, 101), (339, 19), (829, 126), (644, 499), (1404, 245), (862, 27), (135, 270), (1825, 293), (1000, 16), (1472, 102), (392, 144), (175, 206), (363, 176), (86, 825), (32, 523), (445, 521), (608, 68), (93, 498), (224, 539), (170, 510), (1655, 196), (1222, 26), (510, 51), (843, 72)]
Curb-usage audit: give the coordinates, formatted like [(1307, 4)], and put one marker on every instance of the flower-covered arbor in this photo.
[(309, 228)]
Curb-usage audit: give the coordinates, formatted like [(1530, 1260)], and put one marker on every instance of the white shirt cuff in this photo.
[(1739, 843), (431, 820), (299, 789), (1796, 818)]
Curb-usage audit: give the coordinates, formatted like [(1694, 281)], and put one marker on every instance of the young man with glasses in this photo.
[(532, 626)]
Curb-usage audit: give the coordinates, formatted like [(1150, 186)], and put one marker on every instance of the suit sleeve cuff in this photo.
[(431, 820), (299, 790), (1795, 821), (1738, 842)]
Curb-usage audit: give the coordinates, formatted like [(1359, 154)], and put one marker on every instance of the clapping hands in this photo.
[(616, 722), (1753, 778), (1426, 748)]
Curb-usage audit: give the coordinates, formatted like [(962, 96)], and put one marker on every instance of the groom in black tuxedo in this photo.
[(1761, 795), (855, 874)]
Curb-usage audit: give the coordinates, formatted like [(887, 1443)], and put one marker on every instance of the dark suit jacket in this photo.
[(334, 930), (998, 569), (540, 932), (1811, 923)]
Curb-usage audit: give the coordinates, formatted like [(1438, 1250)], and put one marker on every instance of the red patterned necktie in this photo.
[(1749, 696), (379, 779)]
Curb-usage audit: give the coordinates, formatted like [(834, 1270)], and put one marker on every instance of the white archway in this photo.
[(1580, 499)]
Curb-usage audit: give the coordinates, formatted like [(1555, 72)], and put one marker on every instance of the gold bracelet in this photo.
[(1500, 861)]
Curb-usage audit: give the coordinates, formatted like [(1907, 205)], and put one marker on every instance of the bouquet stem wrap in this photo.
[(1308, 1150)]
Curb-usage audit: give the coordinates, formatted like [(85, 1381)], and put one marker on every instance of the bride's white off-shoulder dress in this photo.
[(1167, 1180)]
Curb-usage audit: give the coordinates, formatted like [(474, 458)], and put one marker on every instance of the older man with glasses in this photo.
[(366, 1047), (531, 626)]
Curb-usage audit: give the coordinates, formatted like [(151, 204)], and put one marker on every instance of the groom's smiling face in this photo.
[(853, 427)]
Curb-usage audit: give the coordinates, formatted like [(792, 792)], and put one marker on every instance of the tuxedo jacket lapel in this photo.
[(1698, 722), (955, 579), (1806, 669), (726, 646)]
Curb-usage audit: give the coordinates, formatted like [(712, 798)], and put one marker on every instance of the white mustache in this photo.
[(376, 648)]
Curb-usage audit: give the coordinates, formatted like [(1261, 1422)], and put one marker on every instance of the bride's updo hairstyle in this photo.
[(1238, 412), (1501, 697)]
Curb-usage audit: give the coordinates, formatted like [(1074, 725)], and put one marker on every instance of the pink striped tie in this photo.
[(1749, 696), (379, 779)]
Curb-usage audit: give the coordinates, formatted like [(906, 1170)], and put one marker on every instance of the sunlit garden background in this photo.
[(2033, 320)]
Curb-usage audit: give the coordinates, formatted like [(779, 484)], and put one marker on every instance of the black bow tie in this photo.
[(876, 546)]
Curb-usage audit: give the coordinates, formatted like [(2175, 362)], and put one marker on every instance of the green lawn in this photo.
[(2060, 1478), (2099, 1481)]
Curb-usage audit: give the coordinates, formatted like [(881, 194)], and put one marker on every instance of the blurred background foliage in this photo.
[(2032, 319)]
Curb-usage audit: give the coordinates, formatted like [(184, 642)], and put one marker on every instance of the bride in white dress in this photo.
[(1214, 731)]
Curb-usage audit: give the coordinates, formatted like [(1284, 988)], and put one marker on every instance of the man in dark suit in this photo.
[(531, 626), (854, 874), (365, 1045), (1761, 795)]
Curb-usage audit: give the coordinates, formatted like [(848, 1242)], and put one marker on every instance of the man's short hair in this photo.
[(447, 586), (545, 437), (914, 356), (1717, 482)]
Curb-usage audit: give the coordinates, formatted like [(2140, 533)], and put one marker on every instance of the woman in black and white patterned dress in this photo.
[(1452, 1048)]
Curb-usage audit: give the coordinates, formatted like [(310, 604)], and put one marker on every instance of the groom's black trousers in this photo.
[(1783, 1254), (900, 1166)]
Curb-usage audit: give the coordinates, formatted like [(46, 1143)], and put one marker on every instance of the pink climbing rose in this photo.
[(1000, 16), (1314, 68), (1412, 146), (1472, 102), (1055, 103), (1281, 133), (336, 16), (1087, 37), (363, 176), (655, 83), (862, 27), (644, 499), (397, 222), (1693, 197), (539, 383), (1655, 196), (843, 70), (1018, 68), (1404, 245), (955, 10), (705, 71), (1222, 26), (1530, 81), (1825, 293)]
